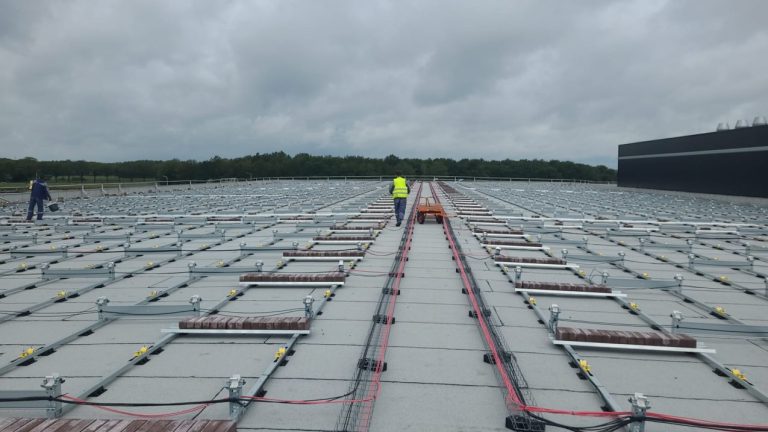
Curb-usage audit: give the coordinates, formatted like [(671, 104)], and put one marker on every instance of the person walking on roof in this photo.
[(399, 190), (36, 197)]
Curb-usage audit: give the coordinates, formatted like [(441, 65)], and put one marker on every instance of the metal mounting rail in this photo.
[(719, 367), (365, 384), (513, 382)]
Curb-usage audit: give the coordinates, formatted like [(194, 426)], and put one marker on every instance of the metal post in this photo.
[(308, 311), (640, 405), (604, 278), (691, 257), (747, 248), (554, 314), (518, 274), (341, 266), (259, 266), (622, 255), (497, 251), (642, 243), (191, 268), (195, 302), (100, 303), (52, 386), (690, 246), (677, 318), (751, 261), (235, 388), (679, 278)]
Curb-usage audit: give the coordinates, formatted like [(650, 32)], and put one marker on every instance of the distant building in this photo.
[(726, 162)]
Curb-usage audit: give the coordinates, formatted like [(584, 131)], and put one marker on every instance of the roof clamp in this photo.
[(564, 254), (195, 302), (259, 266), (100, 303), (308, 310), (691, 257), (640, 405), (518, 274), (52, 385), (554, 316), (235, 389), (642, 243), (622, 255), (677, 318)]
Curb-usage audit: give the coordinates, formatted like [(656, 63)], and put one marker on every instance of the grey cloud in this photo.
[(115, 80)]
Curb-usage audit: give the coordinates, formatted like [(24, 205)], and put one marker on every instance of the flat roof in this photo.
[(703, 260)]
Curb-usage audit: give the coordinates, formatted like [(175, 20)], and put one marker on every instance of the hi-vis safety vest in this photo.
[(400, 189)]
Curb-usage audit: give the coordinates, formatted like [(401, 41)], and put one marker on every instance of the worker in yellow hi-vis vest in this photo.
[(399, 190)]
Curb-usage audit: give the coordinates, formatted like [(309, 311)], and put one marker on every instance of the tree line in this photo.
[(280, 164)]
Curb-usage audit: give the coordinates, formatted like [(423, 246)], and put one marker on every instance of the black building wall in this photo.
[(731, 162)]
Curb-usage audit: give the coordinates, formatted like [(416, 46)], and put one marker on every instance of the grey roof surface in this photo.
[(706, 258)]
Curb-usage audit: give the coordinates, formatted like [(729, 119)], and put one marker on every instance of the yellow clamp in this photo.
[(27, 352), (204, 246), (23, 266), (634, 306), (53, 247), (99, 248), (583, 365), (280, 264), (152, 294), (663, 258), (738, 374), (232, 293), (327, 293), (723, 278), (504, 269), (61, 293), (720, 310), (582, 273), (156, 246), (150, 264), (220, 263), (532, 301), (280, 353), (645, 276), (143, 350), (621, 242)]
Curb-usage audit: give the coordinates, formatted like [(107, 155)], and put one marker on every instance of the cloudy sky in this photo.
[(148, 79)]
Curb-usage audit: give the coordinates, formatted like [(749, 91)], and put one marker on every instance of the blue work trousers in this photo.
[(32, 202), (400, 209)]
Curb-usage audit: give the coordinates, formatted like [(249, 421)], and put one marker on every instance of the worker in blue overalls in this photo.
[(39, 192)]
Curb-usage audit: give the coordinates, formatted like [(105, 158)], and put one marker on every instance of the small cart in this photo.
[(429, 206)]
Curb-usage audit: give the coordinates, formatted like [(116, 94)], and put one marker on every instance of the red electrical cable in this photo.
[(375, 387), (141, 415)]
